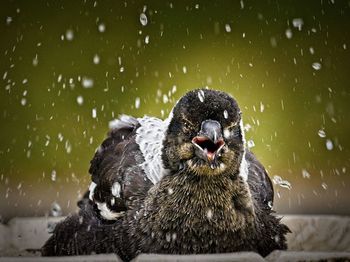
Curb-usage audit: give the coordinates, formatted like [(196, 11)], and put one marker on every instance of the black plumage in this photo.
[(185, 185)]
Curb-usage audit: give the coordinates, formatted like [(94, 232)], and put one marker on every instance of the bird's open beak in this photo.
[(209, 141)]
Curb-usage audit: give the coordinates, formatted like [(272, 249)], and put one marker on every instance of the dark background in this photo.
[(291, 80)]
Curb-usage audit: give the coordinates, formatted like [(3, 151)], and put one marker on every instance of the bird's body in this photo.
[(185, 185)]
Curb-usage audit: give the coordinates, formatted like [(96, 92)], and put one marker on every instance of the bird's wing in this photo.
[(259, 182), (126, 165)]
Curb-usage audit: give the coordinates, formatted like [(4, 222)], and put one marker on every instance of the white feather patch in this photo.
[(149, 137), (243, 168), (91, 190), (107, 213)]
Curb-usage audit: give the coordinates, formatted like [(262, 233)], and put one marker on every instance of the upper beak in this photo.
[(209, 141)]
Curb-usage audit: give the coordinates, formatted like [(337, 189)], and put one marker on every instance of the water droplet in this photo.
[(225, 114), (94, 113), (316, 65), (143, 19), (311, 50), (209, 214), (168, 237), (69, 34), (321, 133), (329, 144), (8, 20), (173, 236), (35, 60), (23, 101), (262, 107), (170, 191), (201, 95), (227, 133), (56, 209), (184, 69), (68, 147), (298, 23), (137, 102), (101, 28), (80, 100), (96, 59), (324, 186), (147, 39), (250, 143), (270, 204), (165, 99), (53, 175), (87, 82), (242, 4), (282, 183), (305, 173), (289, 33), (51, 227), (228, 28)]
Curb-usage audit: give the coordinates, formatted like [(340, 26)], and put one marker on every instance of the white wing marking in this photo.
[(150, 136)]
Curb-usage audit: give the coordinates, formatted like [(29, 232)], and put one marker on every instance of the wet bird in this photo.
[(185, 185)]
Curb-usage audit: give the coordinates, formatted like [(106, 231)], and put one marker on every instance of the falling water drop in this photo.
[(143, 19), (56, 209)]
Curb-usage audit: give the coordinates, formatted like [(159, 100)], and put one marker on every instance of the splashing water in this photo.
[(137, 102), (329, 144), (250, 143), (321, 133), (87, 82), (96, 59), (56, 209), (80, 100), (201, 96), (289, 33), (305, 173), (69, 35), (94, 113), (317, 66), (209, 214), (143, 19), (277, 180), (53, 175), (298, 23), (101, 28)]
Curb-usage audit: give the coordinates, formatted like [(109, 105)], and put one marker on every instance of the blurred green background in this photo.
[(69, 67)]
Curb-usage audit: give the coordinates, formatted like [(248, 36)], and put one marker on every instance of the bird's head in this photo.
[(205, 134)]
